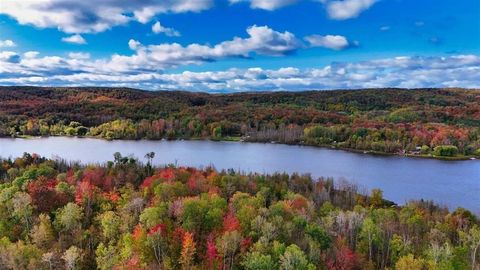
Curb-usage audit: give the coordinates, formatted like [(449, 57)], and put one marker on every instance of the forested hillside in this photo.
[(126, 215), (439, 122)]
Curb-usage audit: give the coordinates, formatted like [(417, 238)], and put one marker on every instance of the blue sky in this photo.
[(240, 45)]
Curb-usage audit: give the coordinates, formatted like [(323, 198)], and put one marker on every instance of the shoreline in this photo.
[(240, 139)]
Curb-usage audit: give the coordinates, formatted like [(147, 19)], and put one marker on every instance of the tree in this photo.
[(68, 219), (149, 156), (230, 222), (445, 150), (409, 263), (45, 196), (106, 257), (398, 248), (152, 216), (217, 132), (295, 259), (228, 245), (72, 257), (156, 239), (42, 234), (188, 251), (110, 223), (212, 254), (471, 240), (204, 213), (376, 198), (345, 258), (49, 258), (257, 261), (369, 233), (440, 257), (22, 208), (319, 235), (19, 255), (117, 157)]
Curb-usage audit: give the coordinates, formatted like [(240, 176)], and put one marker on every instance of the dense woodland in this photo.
[(439, 122), (129, 215)]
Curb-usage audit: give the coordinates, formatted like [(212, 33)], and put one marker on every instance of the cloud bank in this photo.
[(261, 40), (408, 72), (93, 16), (78, 17)]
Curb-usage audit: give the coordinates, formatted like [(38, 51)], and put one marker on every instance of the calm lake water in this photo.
[(451, 183)]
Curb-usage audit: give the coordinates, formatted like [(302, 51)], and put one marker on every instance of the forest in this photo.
[(128, 214), (422, 122)]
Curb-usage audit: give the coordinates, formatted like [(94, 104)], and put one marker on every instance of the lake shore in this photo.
[(242, 139), (454, 183)]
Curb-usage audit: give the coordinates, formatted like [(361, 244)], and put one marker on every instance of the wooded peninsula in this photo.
[(127, 214)]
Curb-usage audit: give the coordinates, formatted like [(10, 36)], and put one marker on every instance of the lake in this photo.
[(450, 183)]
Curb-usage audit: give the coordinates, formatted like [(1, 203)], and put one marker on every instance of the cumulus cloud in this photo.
[(9, 57), (78, 17), (157, 28), (133, 44), (31, 54), (7, 43), (347, 9), (86, 17), (75, 39), (262, 40), (336, 9), (266, 4), (334, 42), (404, 71)]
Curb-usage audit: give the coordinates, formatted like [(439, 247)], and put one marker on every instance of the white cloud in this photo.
[(334, 42), (347, 9), (266, 4), (79, 55), (403, 71), (9, 57), (91, 17), (336, 9), (385, 28), (157, 28), (77, 17), (262, 40), (133, 44), (75, 39), (7, 43), (31, 54)]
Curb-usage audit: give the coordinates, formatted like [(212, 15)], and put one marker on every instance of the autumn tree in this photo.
[(294, 259), (42, 234), (188, 251)]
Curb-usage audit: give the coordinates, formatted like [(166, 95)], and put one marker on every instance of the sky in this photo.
[(240, 45)]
